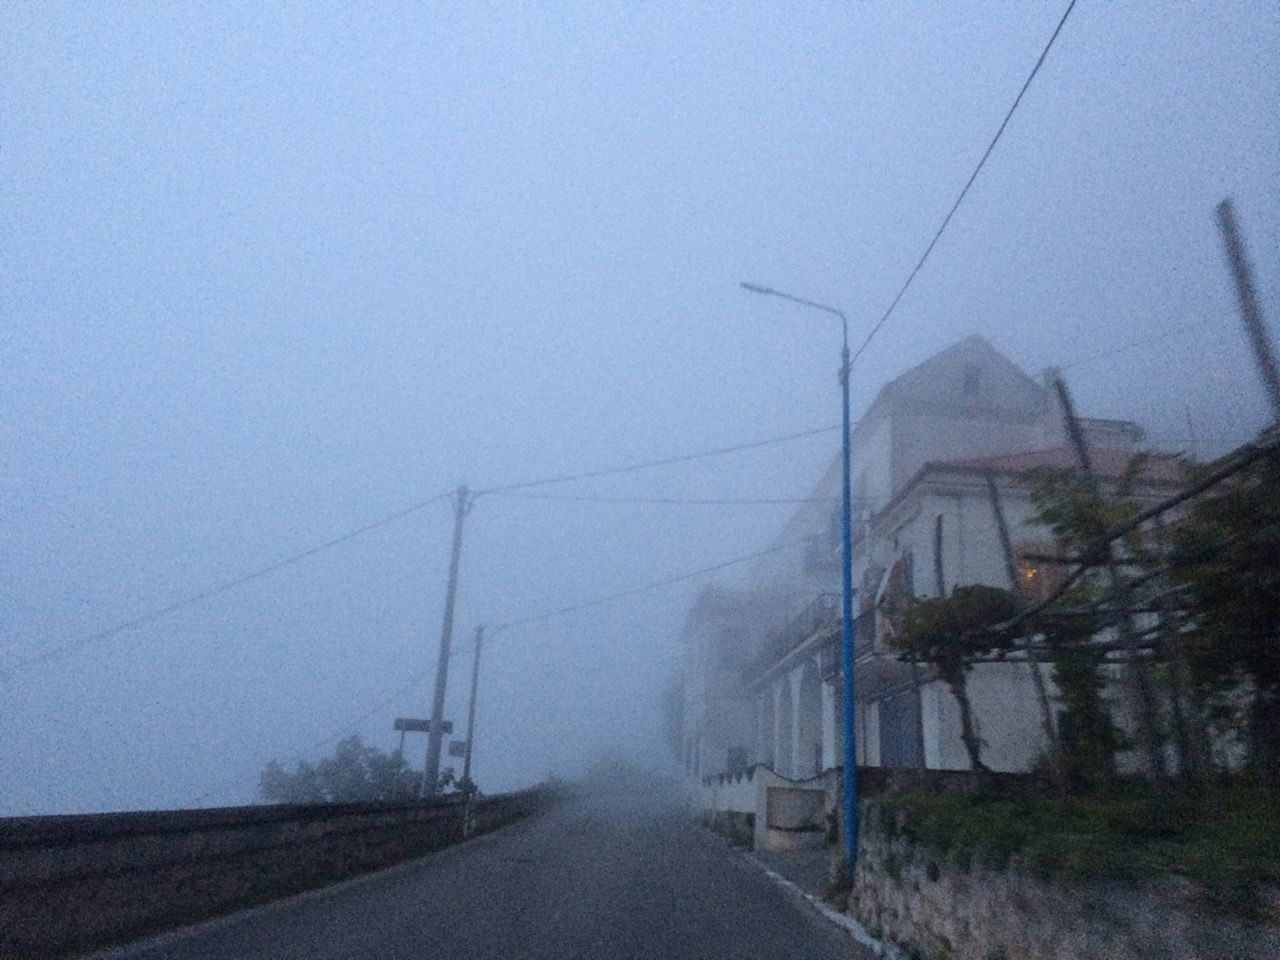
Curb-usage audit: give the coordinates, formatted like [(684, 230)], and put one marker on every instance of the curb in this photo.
[(846, 924), (839, 918)]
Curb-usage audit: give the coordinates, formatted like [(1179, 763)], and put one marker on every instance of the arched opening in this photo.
[(766, 734), (786, 722), (808, 763)]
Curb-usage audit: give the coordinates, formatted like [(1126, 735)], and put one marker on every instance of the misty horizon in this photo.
[(271, 276)]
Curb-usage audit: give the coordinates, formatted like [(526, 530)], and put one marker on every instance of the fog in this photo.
[(270, 273)]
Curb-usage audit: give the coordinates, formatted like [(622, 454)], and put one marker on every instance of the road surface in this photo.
[(619, 873)]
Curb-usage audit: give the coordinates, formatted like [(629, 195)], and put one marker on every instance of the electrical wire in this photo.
[(1135, 344), (969, 183), (609, 598), (666, 500), (664, 462), (153, 615)]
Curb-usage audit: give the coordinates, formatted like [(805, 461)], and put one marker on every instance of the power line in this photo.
[(666, 461), (969, 183), (562, 611), (153, 615), (1135, 344), (668, 500)]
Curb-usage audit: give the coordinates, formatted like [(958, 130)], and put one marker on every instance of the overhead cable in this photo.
[(1135, 344), (609, 598), (156, 614), (664, 462), (969, 183), (667, 500), (153, 615)]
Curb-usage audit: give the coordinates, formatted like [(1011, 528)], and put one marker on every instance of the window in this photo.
[(1039, 571), (972, 380)]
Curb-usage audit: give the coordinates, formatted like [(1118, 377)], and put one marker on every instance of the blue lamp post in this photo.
[(846, 571)]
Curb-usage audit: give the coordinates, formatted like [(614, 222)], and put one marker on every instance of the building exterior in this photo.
[(763, 665)]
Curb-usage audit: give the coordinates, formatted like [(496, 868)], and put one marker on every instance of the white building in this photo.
[(762, 670)]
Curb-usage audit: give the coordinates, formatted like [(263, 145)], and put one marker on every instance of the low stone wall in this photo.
[(71, 883), (927, 908)]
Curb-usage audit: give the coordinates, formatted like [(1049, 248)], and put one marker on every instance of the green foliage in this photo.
[(1226, 557), (1089, 737), (355, 772), (951, 633), (892, 867), (1210, 573), (1227, 842)]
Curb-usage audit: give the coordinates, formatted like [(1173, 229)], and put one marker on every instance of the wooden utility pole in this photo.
[(1250, 312), (471, 710), (431, 769)]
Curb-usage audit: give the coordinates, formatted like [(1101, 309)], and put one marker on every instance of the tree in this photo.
[(951, 633), (1226, 559), (1082, 515), (1208, 576), (355, 772)]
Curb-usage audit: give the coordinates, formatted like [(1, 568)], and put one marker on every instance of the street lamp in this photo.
[(846, 570)]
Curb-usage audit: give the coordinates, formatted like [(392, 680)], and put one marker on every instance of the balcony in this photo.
[(822, 615), (877, 663)]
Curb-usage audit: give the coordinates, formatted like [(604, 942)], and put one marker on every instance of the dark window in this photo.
[(972, 379)]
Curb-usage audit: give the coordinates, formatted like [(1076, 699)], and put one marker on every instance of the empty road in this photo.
[(619, 873)]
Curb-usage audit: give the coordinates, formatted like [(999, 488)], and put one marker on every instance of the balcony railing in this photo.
[(822, 613), (864, 637), (864, 645), (821, 616)]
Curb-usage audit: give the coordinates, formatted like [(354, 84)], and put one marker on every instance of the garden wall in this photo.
[(929, 908)]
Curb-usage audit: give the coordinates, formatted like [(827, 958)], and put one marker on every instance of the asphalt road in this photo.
[(620, 873)]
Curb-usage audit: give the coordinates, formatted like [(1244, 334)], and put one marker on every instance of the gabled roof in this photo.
[(931, 380)]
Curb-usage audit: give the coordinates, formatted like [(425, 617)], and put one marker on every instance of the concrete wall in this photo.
[(71, 883)]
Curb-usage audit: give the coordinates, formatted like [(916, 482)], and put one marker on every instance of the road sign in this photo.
[(409, 725), (457, 748)]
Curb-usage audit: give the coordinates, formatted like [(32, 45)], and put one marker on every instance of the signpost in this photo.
[(405, 725)]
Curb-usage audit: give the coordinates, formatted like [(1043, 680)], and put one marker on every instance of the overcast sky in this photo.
[(269, 272)]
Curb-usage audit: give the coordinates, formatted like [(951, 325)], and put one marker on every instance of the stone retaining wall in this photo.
[(76, 882), (927, 908)]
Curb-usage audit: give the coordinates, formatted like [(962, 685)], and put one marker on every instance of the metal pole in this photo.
[(846, 570), (399, 767), (1249, 308), (847, 625), (471, 710), (431, 769)]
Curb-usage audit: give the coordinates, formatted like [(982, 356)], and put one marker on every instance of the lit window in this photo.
[(1038, 573)]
